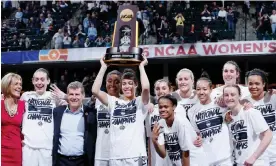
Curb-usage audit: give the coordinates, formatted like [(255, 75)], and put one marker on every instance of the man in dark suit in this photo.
[(75, 130)]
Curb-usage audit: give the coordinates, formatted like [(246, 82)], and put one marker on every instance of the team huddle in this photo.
[(194, 125)]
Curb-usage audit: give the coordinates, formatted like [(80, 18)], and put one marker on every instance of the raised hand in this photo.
[(145, 61), (155, 132), (56, 92), (103, 64)]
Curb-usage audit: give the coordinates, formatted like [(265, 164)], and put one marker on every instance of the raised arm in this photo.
[(145, 94), (57, 93), (101, 95)]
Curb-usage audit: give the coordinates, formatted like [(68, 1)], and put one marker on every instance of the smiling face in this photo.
[(40, 82), (230, 74), (161, 89), (256, 85), (166, 108), (231, 97), (15, 87), (113, 85), (203, 91), (75, 97), (128, 88), (184, 81)]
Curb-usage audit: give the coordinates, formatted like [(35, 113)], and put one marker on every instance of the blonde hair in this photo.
[(188, 71), (6, 82)]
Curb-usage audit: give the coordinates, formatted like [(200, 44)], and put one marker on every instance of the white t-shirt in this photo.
[(175, 141), (196, 154), (103, 129), (222, 13), (178, 138), (208, 121), (187, 103), (127, 132), (37, 126), (267, 106), (151, 119), (245, 130), (273, 18), (218, 92)]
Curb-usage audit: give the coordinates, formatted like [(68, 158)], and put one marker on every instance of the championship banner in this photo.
[(212, 49), (186, 50), (151, 51)]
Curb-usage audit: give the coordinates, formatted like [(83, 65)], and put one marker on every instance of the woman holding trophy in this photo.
[(127, 134)]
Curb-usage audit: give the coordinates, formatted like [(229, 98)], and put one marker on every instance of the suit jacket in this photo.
[(90, 132)]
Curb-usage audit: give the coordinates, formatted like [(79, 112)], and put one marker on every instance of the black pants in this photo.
[(70, 161)]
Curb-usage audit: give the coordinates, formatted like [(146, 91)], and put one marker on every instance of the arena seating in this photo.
[(103, 15), (264, 30), (38, 39)]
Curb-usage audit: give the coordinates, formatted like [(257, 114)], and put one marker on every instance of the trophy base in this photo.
[(131, 58)]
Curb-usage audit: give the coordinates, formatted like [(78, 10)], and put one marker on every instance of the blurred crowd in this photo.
[(35, 24)]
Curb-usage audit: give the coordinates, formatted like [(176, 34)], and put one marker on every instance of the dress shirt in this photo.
[(72, 133)]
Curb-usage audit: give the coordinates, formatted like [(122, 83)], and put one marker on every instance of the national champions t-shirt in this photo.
[(178, 138), (208, 121), (127, 132), (245, 129), (197, 154), (151, 119), (103, 130), (37, 126)]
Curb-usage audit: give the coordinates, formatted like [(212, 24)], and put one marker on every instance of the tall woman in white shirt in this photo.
[(248, 129), (127, 135), (207, 119), (113, 87), (231, 76), (264, 102), (37, 126)]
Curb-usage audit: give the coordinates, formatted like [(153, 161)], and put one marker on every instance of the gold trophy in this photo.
[(124, 50)]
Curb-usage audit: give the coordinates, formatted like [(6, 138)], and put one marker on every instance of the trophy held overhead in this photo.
[(125, 50)]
